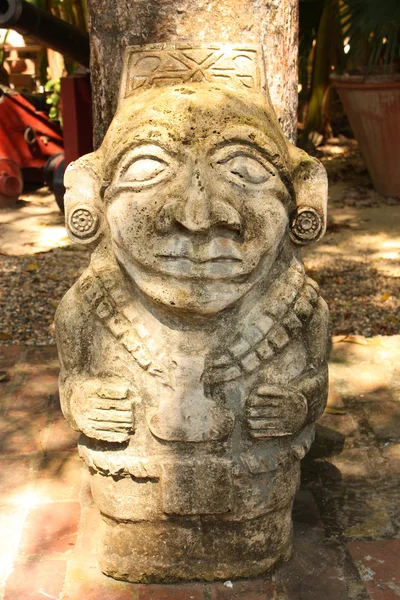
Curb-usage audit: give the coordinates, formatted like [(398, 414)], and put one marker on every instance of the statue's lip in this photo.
[(185, 250), (198, 261)]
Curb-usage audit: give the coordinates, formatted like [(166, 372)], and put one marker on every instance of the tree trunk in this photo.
[(272, 23)]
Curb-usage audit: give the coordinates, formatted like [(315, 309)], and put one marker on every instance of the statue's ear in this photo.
[(84, 215), (310, 181)]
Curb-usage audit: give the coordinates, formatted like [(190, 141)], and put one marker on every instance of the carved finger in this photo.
[(110, 426), (108, 436), (272, 391), (263, 400), (111, 416), (112, 404), (271, 423), (265, 433), (263, 411)]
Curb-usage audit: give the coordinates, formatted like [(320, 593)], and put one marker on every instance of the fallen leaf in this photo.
[(4, 376), (356, 339), (4, 335), (32, 267)]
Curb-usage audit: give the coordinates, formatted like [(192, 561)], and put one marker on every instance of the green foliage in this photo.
[(53, 88), (373, 29), (309, 18), (72, 11), (321, 47)]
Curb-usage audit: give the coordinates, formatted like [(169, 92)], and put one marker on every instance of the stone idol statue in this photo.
[(193, 348)]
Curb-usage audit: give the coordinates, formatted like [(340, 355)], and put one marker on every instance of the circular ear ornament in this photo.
[(306, 225), (83, 223)]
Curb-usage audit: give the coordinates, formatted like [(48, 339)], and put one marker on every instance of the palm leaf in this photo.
[(373, 29)]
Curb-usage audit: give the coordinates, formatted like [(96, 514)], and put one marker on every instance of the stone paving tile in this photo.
[(378, 563), (40, 355), (384, 419), (191, 591), (60, 436), (20, 432), (366, 367), (341, 425), (255, 589), (59, 477), (358, 464), (36, 392), (9, 355), (11, 525), (354, 512), (391, 453), (36, 580), (50, 528), (16, 472)]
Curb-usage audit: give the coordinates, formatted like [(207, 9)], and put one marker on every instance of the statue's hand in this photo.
[(274, 411), (102, 409)]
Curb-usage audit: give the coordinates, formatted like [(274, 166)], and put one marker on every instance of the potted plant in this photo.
[(369, 87)]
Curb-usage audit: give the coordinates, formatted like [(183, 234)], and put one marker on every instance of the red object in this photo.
[(27, 139), (373, 109), (76, 108), (27, 136), (11, 183)]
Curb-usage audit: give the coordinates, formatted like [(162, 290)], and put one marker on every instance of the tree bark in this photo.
[(271, 23)]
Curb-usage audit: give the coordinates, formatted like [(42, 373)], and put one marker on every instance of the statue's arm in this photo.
[(99, 407), (275, 410), (314, 384)]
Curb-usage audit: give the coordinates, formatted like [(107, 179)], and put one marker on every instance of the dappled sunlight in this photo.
[(12, 523), (53, 236), (28, 499), (11, 527), (366, 368), (35, 225)]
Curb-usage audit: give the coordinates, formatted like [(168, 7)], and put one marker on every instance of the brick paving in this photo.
[(346, 515)]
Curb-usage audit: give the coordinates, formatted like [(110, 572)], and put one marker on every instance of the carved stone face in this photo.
[(195, 195)]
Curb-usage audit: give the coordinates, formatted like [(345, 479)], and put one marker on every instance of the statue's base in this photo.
[(194, 548)]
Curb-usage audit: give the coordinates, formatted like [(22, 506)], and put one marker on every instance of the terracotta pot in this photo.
[(372, 104)]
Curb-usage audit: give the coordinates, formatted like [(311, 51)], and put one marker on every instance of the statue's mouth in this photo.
[(219, 250), (215, 260)]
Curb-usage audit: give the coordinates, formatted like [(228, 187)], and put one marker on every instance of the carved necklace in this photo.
[(267, 330)]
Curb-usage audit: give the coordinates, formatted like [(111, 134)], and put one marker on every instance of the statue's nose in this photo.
[(194, 211), (198, 211)]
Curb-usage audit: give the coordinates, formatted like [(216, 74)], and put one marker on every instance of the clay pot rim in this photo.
[(372, 81)]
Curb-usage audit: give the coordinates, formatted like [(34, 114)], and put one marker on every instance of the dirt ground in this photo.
[(357, 264)]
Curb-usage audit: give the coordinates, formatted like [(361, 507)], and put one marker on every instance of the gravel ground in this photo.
[(31, 288), (362, 299)]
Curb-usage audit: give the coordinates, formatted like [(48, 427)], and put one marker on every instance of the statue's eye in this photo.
[(144, 168), (246, 168)]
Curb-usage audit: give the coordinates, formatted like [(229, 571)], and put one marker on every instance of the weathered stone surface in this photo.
[(193, 349)]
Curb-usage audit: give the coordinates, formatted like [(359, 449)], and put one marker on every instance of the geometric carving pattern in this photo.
[(156, 65)]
